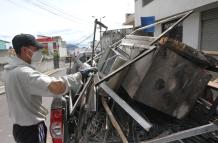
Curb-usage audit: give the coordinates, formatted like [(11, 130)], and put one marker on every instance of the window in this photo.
[(145, 2), (176, 33)]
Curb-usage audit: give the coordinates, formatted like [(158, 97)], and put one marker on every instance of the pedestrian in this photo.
[(25, 87)]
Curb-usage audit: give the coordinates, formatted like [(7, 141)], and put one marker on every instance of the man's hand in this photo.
[(57, 87), (85, 73)]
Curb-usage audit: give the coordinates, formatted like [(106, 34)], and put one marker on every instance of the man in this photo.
[(25, 87)]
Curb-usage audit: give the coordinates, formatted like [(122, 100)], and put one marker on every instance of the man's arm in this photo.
[(43, 85), (57, 87), (72, 81)]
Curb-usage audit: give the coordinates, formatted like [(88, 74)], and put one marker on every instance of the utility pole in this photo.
[(93, 43), (101, 33), (100, 27)]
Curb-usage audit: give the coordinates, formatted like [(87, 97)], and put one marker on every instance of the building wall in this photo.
[(111, 36), (2, 45), (50, 48), (164, 9), (191, 30), (54, 43), (63, 49)]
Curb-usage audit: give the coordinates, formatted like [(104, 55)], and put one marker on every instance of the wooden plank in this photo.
[(213, 85), (196, 57), (212, 53)]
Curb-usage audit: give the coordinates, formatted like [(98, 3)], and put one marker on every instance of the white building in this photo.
[(53, 44), (199, 30), (61, 45)]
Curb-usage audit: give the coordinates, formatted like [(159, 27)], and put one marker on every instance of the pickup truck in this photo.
[(163, 96)]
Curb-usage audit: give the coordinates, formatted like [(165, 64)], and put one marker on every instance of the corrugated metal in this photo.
[(209, 39)]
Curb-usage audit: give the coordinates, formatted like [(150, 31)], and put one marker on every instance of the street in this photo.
[(6, 124)]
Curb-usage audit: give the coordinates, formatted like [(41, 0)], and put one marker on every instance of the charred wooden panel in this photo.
[(171, 83)]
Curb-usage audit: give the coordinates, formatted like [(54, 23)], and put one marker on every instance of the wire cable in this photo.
[(20, 6), (52, 11), (85, 39), (49, 5)]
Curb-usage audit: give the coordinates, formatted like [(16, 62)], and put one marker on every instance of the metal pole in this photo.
[(101, 32), (100, 36), (93, 43), (113, 120), (137, 117), (125, 65), (171, 27), (144, 53), (81, 94), (159, 22), (148, 26), (151, 25), (96, 56), (185, 134)]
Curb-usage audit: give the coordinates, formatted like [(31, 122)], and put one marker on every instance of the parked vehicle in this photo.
[(148, 90)]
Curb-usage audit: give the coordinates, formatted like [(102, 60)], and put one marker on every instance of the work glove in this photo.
[(86, 72)]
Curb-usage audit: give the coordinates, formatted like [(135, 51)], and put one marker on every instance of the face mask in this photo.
[(36, 59)]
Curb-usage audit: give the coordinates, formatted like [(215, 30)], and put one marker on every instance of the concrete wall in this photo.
[(62, 49), (165, 8), (2, 45), (191, 30)]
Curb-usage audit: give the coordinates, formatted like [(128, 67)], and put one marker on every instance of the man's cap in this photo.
[(25, 40)]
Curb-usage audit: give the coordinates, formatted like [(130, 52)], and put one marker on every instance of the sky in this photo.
[(73, 20)]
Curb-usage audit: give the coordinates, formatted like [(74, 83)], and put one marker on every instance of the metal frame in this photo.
[(125, 65), (113, 120), (81, 94), (145, 52), (96, 22), (186, 133), (156, 23), (145, 124)]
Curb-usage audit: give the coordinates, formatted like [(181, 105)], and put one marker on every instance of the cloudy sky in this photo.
[(71, 19)]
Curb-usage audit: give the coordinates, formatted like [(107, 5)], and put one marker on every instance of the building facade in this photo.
[(4, 53), (199, 30), (4, 45), (53, 45), (130, 19)]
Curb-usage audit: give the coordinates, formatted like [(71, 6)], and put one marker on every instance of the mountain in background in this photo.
[(72, 46)]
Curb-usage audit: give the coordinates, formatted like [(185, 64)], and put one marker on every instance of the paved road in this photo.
[(5, 123)]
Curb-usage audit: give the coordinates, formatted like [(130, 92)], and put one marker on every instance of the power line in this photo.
[(20, 6), (81, 38), (59, 10), (85, 39), (50, 10), (43, 7), (46, 9)]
